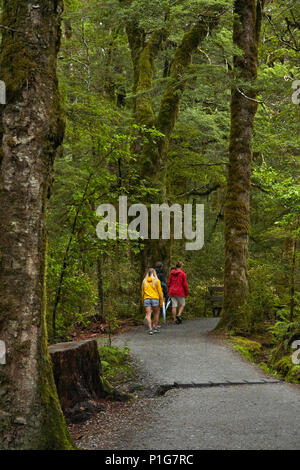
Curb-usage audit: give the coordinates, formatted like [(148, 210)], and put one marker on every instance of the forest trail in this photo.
[(186, 353), (256, 416)]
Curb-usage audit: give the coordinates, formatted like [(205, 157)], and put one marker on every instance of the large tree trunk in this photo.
[(100, 307), (246, 29), (31, 131), (171, 99), (153, 159), (292, 279), (161, 250)]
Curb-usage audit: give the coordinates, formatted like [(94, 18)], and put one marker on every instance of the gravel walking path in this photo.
[(230, 416)]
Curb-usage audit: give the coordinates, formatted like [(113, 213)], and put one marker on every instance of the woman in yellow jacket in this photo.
[(152, 298)]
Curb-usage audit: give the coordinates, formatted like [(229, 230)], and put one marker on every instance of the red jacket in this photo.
[(177, 284)]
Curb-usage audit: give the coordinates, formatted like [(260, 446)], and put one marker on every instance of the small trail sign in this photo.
[(2, 352), (2, 92)]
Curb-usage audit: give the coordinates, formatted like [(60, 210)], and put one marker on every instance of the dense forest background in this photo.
[(163, 101), (106, 112)]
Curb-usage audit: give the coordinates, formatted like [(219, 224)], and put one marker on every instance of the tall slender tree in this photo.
[(31, 131), (246, 32)]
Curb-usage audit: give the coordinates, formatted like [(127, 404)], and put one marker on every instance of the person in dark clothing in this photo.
[(161, 276), (178, 290)]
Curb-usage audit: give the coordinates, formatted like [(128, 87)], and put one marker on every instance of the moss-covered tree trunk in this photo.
[(153, 155), (143, 53), (170, 102), (246, 30), (31, 132)]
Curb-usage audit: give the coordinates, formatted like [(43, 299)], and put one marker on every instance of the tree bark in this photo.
[(246, 31), (154, 154), (32, 130), (77, 371), (143, 54), (292, 281), (100, 306), (170, 102), (79, 380)]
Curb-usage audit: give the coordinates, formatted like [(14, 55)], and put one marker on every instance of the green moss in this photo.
[(16, 57), (53, 434), (170, 102), (293, 375), (244, 352), (145, 66), (114, 394), (253, 352), (15, 72), (253, 347), (45, 427), (290, 371), (169, 108), (247, 348), (237, 215), (22, 348)]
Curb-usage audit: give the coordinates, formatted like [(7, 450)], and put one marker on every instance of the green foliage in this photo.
[(285, 331), (115, 363), (253, 347), (101, 159), (290, 371), (244, 351), (262, 299)]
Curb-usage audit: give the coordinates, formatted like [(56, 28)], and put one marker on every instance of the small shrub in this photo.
[(115, 364), (261, 301)]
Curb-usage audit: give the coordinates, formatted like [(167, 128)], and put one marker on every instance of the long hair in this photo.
[(151, 273)]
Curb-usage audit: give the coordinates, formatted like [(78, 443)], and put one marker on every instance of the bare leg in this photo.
[(156, 311), (148, 317), (180, 310), (174, 311)]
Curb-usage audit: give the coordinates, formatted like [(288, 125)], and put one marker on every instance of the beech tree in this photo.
[(144, 50), (246, 32), (31, 132)]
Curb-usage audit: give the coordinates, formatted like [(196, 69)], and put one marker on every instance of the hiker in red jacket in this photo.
[(178, 290)]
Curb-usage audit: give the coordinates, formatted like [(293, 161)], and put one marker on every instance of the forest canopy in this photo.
[(117, 63), (164, 102)]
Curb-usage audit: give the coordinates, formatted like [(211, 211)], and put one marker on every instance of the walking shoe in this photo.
[(156, 330), (150, 332), (178, 319)]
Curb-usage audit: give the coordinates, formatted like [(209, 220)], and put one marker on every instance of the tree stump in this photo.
[(77, 371)]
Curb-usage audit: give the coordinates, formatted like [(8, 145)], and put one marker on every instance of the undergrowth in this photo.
[(116, 364)]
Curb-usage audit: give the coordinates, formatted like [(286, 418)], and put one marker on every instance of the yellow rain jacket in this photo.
[(150, 292)]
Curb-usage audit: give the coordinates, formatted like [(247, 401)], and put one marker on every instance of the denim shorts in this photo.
[(151, 302)]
